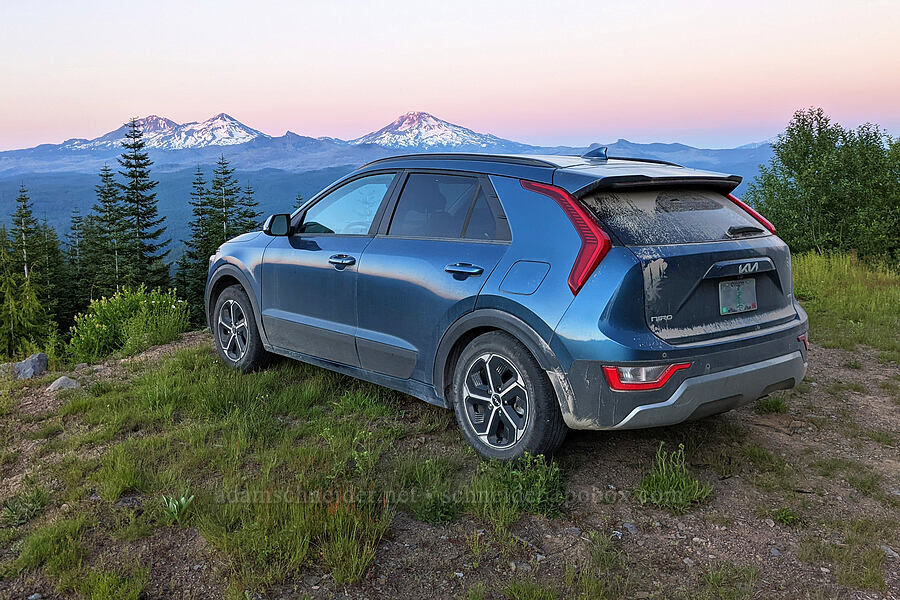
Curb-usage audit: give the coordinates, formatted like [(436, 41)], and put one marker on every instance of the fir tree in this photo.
[(23, 322), (298, 201), (144, 252), (50, 280), (191, 270), (23, 233), (223, 199), (246, 216), (104, 235)]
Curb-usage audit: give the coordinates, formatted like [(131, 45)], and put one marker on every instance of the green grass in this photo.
[(771, 405), (426, 488), (605, 575), (857, 475), (857, 560), (525, 589), (727, 582), (670, 485), (21, 508), (786, 517), (101, 584), (849, 302), (500, 492), (56, 547)]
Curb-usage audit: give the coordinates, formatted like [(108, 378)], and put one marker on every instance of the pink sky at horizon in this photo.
[(710, 74)]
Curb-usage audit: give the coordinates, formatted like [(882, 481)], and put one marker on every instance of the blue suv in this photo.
[(529, 294)]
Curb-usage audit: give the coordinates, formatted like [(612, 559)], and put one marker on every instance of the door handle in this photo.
[(464, 269), (341, 260)]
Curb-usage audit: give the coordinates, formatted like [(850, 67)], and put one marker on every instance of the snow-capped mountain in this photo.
[(422, 131), (165, 134)]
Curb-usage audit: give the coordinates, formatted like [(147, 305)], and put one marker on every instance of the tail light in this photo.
[(752, 212), (804, 339), (641, 378), (594, 241)]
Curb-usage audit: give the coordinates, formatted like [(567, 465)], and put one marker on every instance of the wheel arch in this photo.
[(473, 324), (226, 276)]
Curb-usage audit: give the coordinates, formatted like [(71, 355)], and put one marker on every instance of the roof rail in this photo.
[(498, 158)]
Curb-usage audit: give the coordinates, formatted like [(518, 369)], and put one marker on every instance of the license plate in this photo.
[(737, 296)]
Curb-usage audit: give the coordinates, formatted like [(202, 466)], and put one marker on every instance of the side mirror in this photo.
[(277, 225)]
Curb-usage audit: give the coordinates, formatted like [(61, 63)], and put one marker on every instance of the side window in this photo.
[(433, 205), (348, 210), (485, 223)]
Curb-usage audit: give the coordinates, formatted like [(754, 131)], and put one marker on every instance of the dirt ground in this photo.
[(848, 410)]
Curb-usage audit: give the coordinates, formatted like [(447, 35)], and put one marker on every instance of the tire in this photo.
[(239, 346), (506, 425)]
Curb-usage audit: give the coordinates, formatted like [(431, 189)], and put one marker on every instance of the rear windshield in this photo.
[(646, 217)]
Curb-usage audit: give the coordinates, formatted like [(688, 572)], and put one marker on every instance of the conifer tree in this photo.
[(299, 200), (191, 270), (247, 215), (23, 322), (223, 200), (50, 280), (104, 239), (143, 245), (23, 233)]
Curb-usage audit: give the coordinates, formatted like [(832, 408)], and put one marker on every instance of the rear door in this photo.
[(710, 269), (435, 249), (309, 278)]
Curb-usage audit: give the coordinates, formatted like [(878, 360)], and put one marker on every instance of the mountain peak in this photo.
[(423, 131), (161, 133)]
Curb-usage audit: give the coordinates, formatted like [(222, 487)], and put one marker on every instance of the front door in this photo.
[(309, 278), (425, 269)]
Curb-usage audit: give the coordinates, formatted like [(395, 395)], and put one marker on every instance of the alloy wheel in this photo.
[(495, 400), (232, 328)]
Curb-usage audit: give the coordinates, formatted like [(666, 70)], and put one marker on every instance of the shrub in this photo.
[(670, 485), (128, 322)]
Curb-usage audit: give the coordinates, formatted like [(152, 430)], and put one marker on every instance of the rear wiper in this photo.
[(736, 230)]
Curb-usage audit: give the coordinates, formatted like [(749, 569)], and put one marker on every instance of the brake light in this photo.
[(752, 212), (594, 241), (654, 377), (805, 340)]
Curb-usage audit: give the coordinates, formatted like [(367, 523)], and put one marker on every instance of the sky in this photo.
[(709, 74)]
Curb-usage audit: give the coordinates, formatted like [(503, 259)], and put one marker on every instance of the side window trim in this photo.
[(484, 184), (376, 220)]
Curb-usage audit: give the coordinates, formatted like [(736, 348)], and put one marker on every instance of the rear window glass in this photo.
[(644, 217)]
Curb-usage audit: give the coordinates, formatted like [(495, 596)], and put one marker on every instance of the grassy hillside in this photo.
[(169, 475)]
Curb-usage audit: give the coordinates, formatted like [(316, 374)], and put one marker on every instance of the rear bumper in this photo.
[(718, 380), (705, 395)]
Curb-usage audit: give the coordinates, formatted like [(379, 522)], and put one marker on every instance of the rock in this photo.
[(769, 522), (65, 508), (458, 574), (641, 595), (824, 570), (520, 567), (34, 365), (128, 502), (540, 558), (688, 561), (95, 497), (573, 531), (64, 383), (774, 551), (630, 528), (889, 552), (35, 597)]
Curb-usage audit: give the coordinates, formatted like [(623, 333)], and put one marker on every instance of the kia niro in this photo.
[(530, 295)]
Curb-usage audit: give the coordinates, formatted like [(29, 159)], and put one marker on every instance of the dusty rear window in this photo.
[(650, 217)]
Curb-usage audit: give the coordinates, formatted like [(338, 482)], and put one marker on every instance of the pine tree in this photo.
[(144, 253), (23, 233), (223, 199), (191, 270), (246, 216), (298, 202)]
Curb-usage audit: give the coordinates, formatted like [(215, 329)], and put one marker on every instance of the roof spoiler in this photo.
[(724, 184)]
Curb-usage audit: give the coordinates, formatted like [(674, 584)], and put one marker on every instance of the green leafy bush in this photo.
[(127, 322)]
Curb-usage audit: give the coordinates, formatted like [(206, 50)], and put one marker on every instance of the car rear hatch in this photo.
[(711, 267)]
